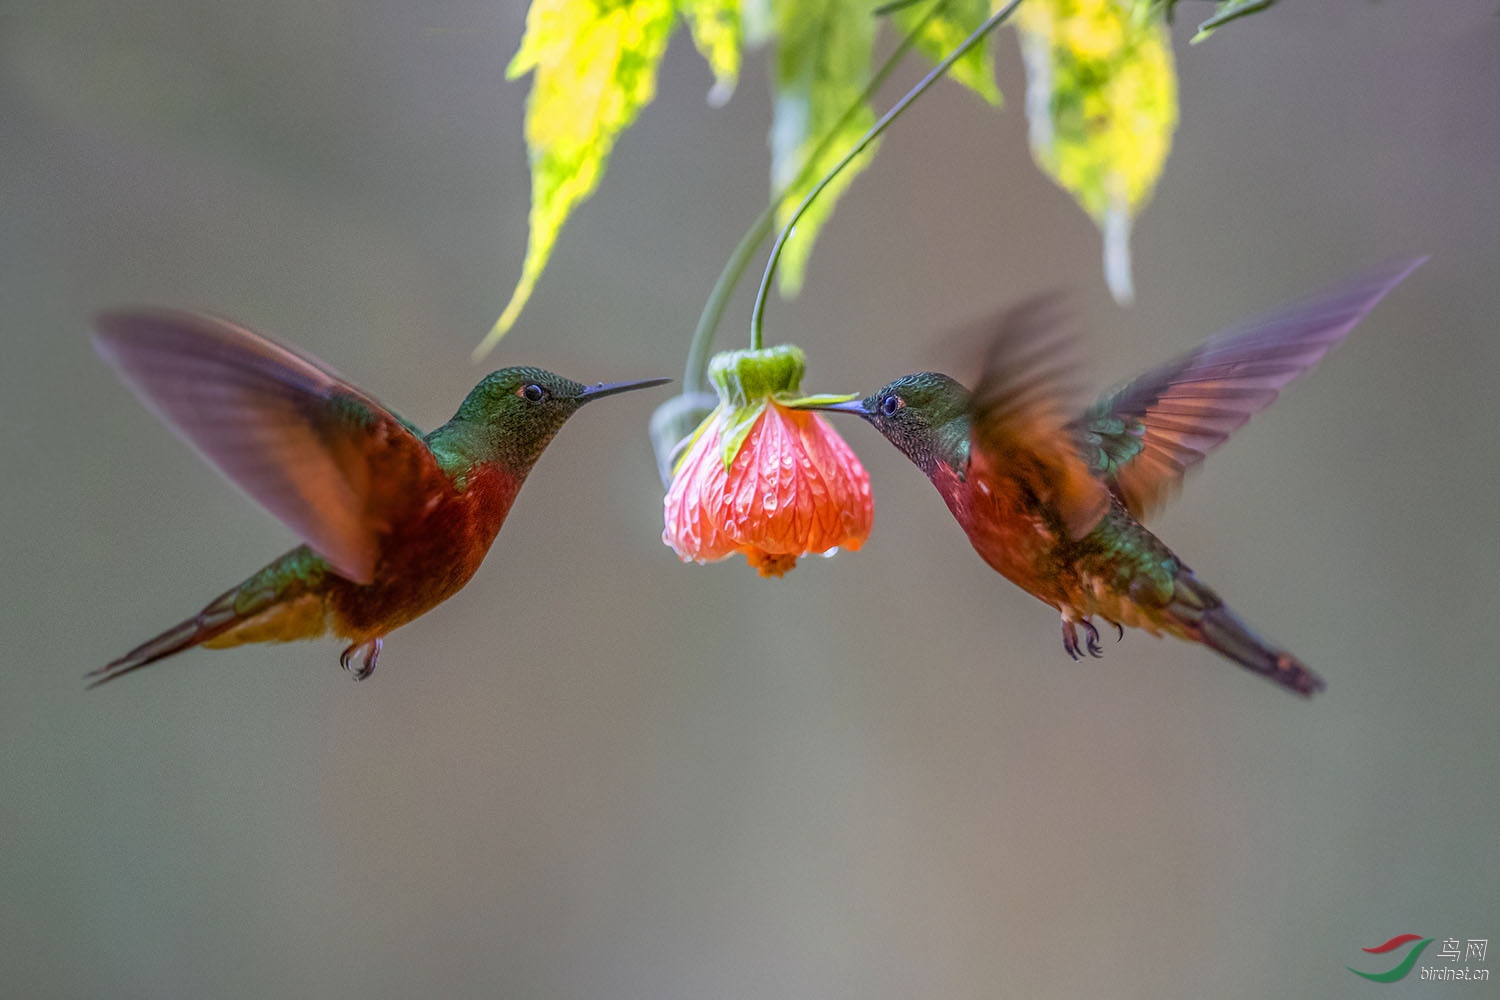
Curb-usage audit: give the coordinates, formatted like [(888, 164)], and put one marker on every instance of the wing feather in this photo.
[(1144, 436), (326, 459), (1019, 410)]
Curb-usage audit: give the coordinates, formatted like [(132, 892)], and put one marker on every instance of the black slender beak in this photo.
[(610, 388), (854, 406)]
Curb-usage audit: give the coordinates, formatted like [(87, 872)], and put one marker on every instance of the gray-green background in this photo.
[(597, 773)]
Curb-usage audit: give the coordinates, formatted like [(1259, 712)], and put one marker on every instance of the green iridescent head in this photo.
[(925, 415), (515, 412)]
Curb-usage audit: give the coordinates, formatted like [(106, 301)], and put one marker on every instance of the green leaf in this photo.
[(718, 34), (1101, 100), (1154, 10), (595, 67), (1229, 10), (955, 22), (816, 400), (736, 426), (822, 65)]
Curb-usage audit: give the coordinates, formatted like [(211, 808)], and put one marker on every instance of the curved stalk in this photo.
[(758, 312), (739, 260)]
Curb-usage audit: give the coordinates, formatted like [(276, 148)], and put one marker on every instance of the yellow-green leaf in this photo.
[(1101, 102), (822, 65), (950, 26), (1229, 10), (716, 30), (595, 67)]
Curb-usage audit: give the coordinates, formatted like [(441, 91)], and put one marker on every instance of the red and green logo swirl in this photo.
[(1406, 964)]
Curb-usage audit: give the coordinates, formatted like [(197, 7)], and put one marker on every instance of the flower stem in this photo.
[(758, 312), (718, 298), (739, 260)]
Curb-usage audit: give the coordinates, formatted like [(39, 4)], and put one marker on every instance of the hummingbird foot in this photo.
[(1091, 638), (1070, 639), (367, 653), (1095, 649)]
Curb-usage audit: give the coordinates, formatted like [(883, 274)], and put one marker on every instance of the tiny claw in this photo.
[(1070, 639), (367, 652), (1120, 629), (1095, 650)]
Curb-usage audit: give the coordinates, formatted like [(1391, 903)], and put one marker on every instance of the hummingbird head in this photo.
[(516, 412), (925, 415)]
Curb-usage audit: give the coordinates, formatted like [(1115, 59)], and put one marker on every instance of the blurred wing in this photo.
[(330, 462), (1144, 436), (1019, 410)]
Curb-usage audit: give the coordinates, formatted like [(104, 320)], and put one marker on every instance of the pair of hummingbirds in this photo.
[(394, 521)]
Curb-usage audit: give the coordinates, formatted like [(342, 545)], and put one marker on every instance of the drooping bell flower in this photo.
[(759, 478)]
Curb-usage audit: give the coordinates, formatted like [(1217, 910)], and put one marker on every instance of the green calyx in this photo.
[(745, 382), (749, 378)]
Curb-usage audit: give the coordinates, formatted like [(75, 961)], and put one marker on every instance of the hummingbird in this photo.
[(393, 521), (1054, 499)]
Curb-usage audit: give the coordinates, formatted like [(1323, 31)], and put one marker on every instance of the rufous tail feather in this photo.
[(1204, 618), (218, 617)]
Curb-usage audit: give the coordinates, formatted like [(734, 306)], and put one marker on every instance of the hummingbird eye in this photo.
[(533, 392), (890, 404)]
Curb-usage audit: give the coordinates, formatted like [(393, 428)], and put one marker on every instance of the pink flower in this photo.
[(759, 478)]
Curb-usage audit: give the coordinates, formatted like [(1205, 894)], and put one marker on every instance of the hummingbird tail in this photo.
[(1206, 619), (215, 619)]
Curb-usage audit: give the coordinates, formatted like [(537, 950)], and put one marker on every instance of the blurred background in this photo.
[(598, 773)]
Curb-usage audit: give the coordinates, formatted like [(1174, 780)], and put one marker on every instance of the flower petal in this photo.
[(793, 488)]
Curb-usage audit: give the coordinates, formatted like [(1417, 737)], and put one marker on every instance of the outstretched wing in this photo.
[(1144, 436), (1019, 412), (329, 461)]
